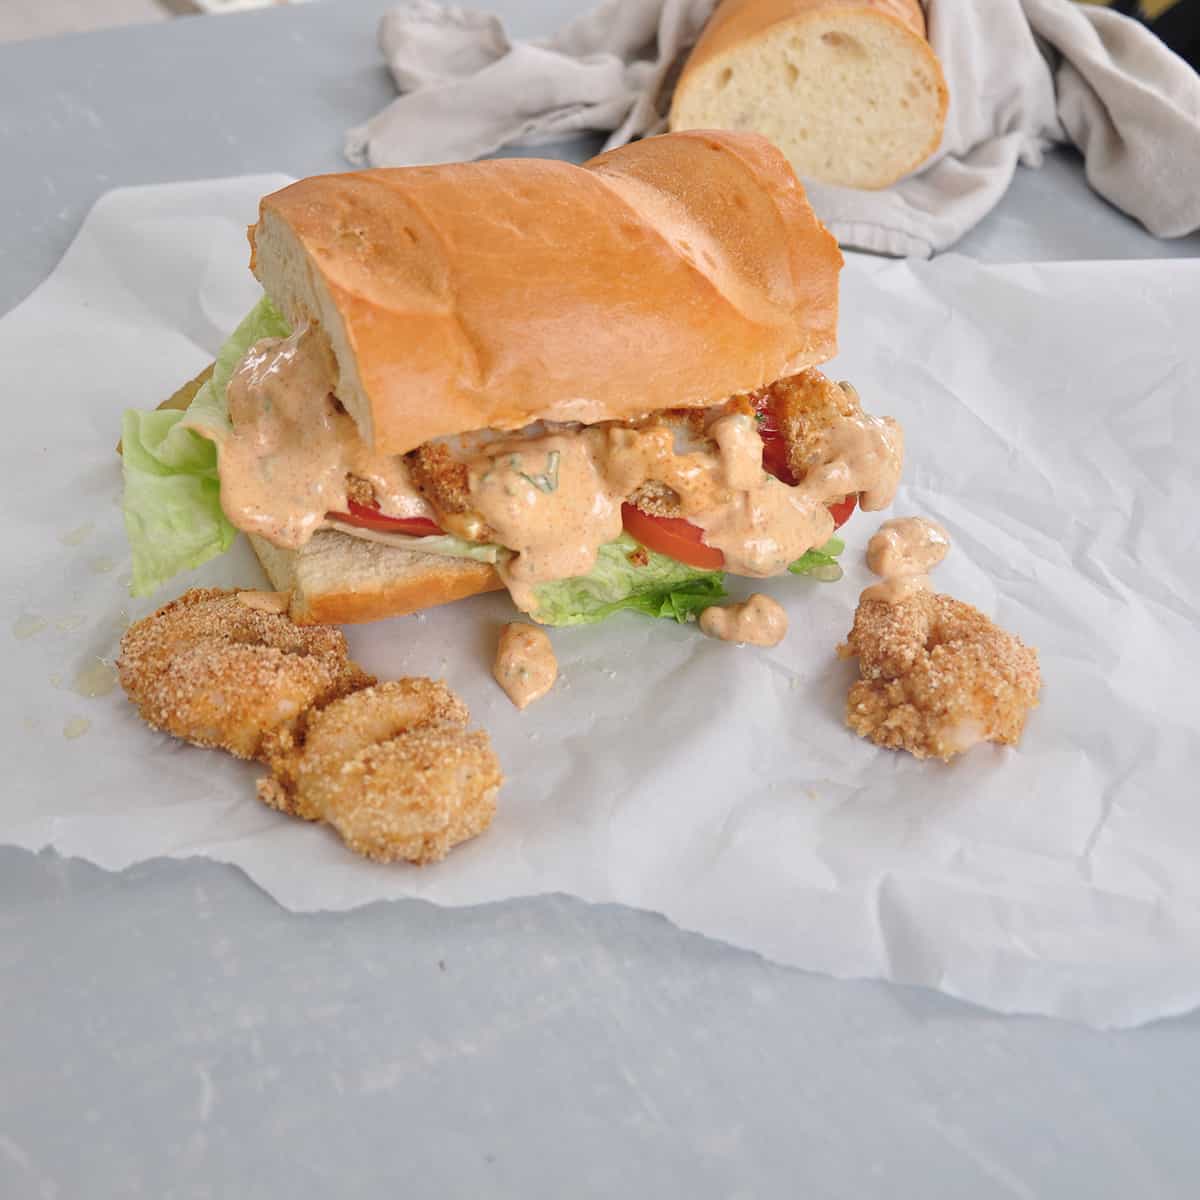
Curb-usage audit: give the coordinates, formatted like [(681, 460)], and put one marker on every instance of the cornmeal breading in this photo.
[(937, 676)]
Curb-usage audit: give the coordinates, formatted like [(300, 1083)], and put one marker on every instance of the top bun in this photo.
[(673, 272)]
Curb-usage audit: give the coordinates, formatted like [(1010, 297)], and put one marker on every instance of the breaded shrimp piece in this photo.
[(214, 671), (417, 795), (393, 769), (444, 480), (807, 406), (937, 676), (298, 755), (441, 477)]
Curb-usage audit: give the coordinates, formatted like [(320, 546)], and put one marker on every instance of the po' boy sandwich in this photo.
[(594, 386)]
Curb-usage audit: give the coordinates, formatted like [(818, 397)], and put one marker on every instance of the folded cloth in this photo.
[(1022, 74)]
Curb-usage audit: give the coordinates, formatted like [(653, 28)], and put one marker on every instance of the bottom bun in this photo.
[(338, 579)]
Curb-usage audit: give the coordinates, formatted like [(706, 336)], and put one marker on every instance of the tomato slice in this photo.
[(775, 451), (673, 536), (840, 512), (372, 518)]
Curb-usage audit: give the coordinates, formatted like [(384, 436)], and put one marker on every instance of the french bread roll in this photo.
[(849, 90), (669, 273), (339, 579)]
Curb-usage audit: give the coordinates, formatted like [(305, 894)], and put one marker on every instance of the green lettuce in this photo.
[(822, 562), (172, 498), (660, 587)]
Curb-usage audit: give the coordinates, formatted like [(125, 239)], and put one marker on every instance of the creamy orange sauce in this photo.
[(548, 500), (902, 552), (863, 454), (525, 665), (554, 499), (896, 589), (761, 530), (284, 464), (740, 449), (551, 496), (760, 621)]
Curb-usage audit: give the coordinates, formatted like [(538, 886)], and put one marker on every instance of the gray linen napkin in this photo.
[(1023, 74)]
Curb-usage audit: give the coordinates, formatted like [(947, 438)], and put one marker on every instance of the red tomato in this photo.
[(840, 512), (371, 518), (672, 536), (775, 459), (775, 452)]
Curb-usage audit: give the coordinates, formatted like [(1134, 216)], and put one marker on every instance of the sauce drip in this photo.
[(98, 678), (554, 499), (760, 621), (902, 552), (76, 727), (284, 464), (863, 454), (763, 529), (525, 665), (549, 501), (27, 625)]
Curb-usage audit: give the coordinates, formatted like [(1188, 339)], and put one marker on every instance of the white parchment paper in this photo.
[(1053, 421)]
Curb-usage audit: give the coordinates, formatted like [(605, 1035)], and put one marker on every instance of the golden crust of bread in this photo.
[(402, 596), (672, 272), (736, 21), (737, 24)]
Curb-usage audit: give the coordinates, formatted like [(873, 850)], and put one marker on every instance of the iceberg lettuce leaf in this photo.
[(628, 576), (821, 562), (172, 494)]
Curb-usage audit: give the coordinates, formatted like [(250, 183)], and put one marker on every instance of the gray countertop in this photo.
[(170, 1032)]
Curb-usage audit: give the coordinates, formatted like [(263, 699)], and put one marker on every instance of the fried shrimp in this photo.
[(937, 676), (392, 768), (217, 672)]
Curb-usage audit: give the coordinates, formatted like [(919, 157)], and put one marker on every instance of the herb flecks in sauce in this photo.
[(525, 665), (551, 496), (760, 524), (760, 621)]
